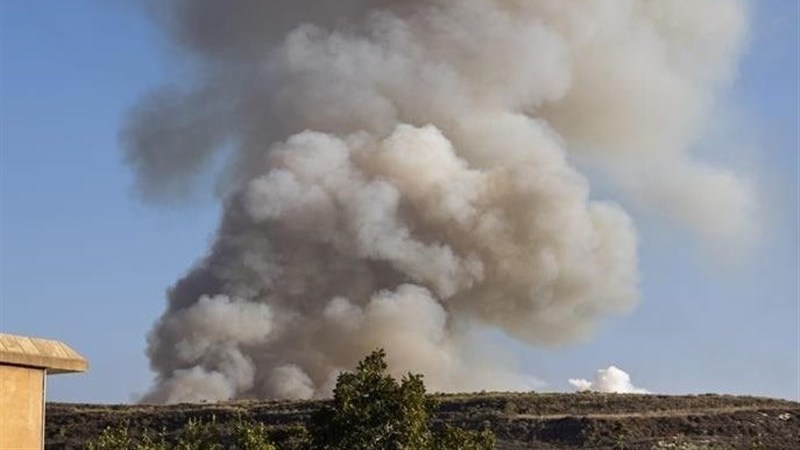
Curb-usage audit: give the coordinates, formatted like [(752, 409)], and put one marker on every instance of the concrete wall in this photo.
[(21, 402)]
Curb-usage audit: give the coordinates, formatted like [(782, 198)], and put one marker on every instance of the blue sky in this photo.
[(82, 260)]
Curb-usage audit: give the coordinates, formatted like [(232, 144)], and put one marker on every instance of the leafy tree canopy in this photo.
[(373, 411)]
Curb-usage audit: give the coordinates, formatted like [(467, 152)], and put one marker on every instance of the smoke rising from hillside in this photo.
[(400, 174), (610, 380)]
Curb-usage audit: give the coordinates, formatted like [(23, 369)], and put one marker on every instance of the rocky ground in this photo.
[(520, 421)]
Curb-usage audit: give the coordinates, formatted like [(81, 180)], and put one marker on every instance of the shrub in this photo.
[(251, 436), (457, 438), (371, 410), (120, 438), (195, 435)]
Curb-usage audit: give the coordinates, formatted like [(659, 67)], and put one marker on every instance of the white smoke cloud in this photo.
[(400, 174), (610, 380)]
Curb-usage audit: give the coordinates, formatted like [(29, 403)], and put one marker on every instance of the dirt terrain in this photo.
[(520, 421)]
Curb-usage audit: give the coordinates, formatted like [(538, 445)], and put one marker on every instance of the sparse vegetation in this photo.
[(547, 421), (372, 408), (195, 435), (120, 438), (680, 444), (370, 411)]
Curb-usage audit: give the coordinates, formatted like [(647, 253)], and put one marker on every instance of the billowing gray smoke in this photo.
[(400, 174)]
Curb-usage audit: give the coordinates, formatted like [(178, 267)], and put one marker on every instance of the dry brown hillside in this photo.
[(520, 421)]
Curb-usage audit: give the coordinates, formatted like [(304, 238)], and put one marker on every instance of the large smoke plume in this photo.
[(400, 174)]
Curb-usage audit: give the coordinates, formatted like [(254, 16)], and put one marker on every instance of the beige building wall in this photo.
[(21, 403), (25, 363)]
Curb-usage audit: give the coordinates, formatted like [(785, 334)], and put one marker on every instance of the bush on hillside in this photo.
[(373, 411), (195, 435)]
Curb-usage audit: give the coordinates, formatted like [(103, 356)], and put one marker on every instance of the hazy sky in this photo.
[(83, 261)]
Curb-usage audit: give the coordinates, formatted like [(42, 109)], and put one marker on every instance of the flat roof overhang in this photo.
[(53, 356)]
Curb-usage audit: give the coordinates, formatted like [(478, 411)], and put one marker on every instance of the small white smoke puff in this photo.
[(611, 380), (400, 174)]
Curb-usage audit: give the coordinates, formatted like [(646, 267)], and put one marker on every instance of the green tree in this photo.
[(371, 410)]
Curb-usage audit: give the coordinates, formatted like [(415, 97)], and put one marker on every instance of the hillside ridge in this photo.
[(519, 420)]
